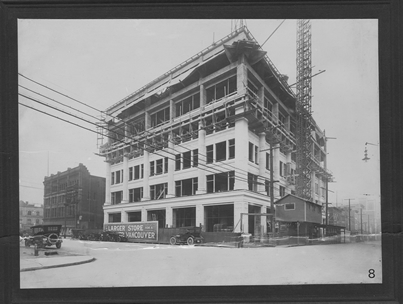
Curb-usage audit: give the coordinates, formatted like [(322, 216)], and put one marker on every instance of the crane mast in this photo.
[(304, 122)]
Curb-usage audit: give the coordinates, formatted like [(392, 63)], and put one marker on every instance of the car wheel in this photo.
[(190, 241), (58, 245), (172, 240)]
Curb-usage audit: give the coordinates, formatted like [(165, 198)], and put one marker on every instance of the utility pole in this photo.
[(349, 209), (272, 189)]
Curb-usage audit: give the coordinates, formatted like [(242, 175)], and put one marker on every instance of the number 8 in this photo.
[(371, 274)]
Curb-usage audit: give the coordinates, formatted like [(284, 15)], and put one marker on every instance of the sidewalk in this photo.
[(29, 262), (46, 263)]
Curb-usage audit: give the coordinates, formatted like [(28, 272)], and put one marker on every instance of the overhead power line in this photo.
[(147, 132), (272, 33)]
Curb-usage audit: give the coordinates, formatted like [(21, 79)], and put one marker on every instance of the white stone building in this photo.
[(192, 147)]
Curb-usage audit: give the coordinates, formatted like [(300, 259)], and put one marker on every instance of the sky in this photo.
[(99, 62)]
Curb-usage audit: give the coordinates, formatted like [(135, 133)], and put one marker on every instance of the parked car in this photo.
[(113, 236), (189, 235), (44, 235)]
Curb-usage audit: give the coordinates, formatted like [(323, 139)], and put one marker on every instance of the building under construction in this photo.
[(212, 142)]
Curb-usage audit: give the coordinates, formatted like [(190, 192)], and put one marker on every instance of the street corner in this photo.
[(45, 258)]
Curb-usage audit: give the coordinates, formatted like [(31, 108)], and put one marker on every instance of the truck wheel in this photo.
[(172, 240), (190, 241)]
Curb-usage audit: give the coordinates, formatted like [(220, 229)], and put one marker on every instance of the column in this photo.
[(143, 214), (275, 112), (263, 220), (146, 185), (200, 216), (241, 152), (262, 162), (124, 217), (108, 184), (168, 217), (106, 217), (242, 225), (276, 168), (201, 174), (242, 76), (125, 177), (260, 94), (171, 169)]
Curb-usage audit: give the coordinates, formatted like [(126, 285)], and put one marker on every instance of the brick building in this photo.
[(74, 199)]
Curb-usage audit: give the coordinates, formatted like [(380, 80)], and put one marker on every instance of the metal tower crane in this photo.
[(304, 122)]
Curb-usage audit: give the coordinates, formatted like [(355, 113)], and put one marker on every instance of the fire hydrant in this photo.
[(36, 250)]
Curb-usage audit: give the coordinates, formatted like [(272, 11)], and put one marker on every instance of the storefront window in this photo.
[(219, 218), (185, 217)]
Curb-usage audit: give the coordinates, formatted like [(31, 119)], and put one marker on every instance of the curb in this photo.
[(59, 265)]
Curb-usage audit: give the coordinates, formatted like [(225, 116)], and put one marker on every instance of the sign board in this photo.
[(136, 231)]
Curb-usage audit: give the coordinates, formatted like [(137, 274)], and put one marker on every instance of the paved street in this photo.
[(131, 264)]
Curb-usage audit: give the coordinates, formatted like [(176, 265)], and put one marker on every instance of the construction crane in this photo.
[(304, 121)]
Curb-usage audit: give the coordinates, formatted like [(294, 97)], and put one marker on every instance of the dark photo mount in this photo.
[(388, 13)]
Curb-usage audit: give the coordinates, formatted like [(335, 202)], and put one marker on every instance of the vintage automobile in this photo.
[(44, 235), (113, 236), (188, 235)]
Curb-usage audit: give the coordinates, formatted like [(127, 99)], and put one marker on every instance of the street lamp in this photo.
[(366, 158)]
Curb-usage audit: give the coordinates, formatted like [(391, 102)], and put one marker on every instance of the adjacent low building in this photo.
[(30, 215), (193, 146), (74, 199)]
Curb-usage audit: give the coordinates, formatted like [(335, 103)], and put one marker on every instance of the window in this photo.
[(134, 216), (112, 178), (130, 173), (252, 182), (267, 161), (187, 160), (221, 151), (185, 217), (159, 165), (135, 195), (250, 152), (231, 148), (165, 164), (316, 188), (152, 168), (221, 89), (115, 217), (116, 197), (195, 157), (219, 218), (220, 182), (136, 172), (256, 154), (177, 162), (289, 206), (157, 215), (160, 117), (158, 191), (186, 187), (188, 104), (282, 191), (210, 155), (29, 212), (281, 168), (118, 180)]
